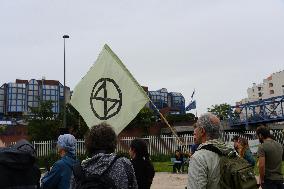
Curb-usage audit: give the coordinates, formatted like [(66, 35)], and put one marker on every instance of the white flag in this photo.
[(108, 93)]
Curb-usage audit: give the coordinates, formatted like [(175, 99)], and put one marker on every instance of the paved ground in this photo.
[(165, 180), (169, 181)]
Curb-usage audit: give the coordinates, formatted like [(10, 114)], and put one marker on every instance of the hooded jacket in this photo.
[(60, 174), (204, 167), (121, 171), (17, 167)]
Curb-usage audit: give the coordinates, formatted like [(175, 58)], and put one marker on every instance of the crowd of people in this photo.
[(105, 169), (204, 165)]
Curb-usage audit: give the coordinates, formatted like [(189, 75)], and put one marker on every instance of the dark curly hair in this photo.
[(101, 137)]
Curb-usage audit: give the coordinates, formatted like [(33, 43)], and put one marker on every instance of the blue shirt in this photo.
[(60, 174), (249, 157)]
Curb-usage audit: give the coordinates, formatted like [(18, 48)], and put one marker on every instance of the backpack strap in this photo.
[(78, 172), (212, 148), (110, 165)]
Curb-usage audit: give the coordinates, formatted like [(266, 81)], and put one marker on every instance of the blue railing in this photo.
[(257, 112)]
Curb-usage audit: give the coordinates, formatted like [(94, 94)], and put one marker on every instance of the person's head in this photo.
[(101, 138), (138, 149), (66, 144), (262, 132), (197, 135), (242, 146), (210, 126), (24, 146), (178, 153), (236, 140)]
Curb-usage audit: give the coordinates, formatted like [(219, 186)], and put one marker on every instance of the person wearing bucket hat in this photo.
[(60, 174)]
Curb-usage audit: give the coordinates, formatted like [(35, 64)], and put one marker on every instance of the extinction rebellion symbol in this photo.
[(107, 94)]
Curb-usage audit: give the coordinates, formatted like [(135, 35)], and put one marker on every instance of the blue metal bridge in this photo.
[(257, 112)]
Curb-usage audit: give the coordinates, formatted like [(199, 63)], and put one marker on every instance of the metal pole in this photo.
[(64, 91), (166, 122), (64, 106)]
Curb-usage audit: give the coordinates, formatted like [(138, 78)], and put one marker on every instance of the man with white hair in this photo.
[(204, 166), (60, 174)]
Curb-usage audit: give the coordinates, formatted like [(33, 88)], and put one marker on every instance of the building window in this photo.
[(16, 97), (270, 84), (259, 88), (271, 91), (259, 95)]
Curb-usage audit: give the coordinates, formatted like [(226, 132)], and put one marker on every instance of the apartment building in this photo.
[(164, 99), (271, 87), (17, 97)]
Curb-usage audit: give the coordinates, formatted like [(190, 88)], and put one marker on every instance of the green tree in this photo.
[(43, 124), (174, 118), (74, 121), (145, 118), (220, 110)]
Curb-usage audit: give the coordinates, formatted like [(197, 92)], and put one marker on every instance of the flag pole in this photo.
[(167, 123)]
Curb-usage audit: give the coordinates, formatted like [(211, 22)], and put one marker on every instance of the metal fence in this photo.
[(157, 144), (162, 144)]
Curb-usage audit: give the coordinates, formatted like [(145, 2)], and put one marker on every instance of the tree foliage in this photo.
[(75, 122), (174, 118), (220, 110), (145, 118), (43, 124)]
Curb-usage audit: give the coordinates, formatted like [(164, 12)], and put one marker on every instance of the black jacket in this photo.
[(144, 172), (17, 167)]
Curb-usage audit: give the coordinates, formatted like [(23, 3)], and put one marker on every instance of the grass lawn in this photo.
[(163, 166)]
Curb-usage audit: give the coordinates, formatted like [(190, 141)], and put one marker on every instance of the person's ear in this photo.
[(203, 131)]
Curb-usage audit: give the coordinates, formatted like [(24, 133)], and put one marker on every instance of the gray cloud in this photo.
[(218, 47)]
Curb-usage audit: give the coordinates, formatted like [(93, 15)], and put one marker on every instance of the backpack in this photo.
[(18, 168), (236, 172), (93, 181)]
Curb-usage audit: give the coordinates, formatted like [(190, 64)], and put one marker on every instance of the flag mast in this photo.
[(167, 123)]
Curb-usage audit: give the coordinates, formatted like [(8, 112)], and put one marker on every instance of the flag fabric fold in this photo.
[(191, 106), (108, 93)]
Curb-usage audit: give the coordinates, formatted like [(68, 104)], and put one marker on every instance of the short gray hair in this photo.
[(211, 125)]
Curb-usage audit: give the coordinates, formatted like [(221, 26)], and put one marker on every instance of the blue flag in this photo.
[(191, 106)]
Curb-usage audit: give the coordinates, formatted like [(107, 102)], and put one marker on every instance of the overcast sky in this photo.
[(218, 47)]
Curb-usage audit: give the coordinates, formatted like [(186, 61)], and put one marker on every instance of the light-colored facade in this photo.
[(271, 87)]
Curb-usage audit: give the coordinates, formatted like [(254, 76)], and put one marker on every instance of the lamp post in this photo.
[(64, 95)]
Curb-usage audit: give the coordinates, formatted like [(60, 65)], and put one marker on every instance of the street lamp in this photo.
[(64, 95)]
